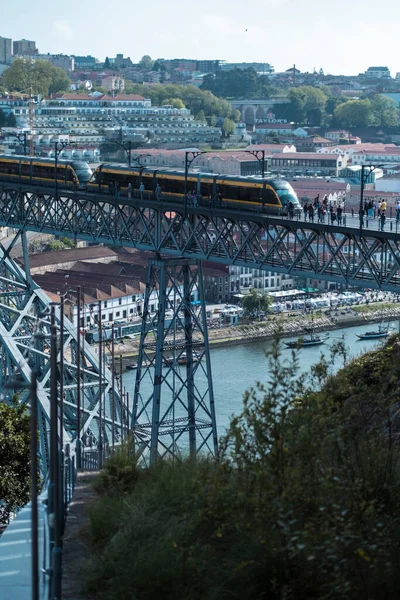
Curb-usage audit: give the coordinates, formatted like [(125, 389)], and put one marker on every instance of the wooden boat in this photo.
[(373, 335), (304, 342)]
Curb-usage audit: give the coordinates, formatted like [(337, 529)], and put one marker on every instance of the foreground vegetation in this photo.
[(303, 503)]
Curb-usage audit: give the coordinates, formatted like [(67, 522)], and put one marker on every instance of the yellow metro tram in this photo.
[(33, 170), (271, 194)]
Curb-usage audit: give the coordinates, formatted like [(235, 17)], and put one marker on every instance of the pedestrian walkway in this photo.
[(75, 547)]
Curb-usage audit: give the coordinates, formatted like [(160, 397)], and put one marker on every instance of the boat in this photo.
[(312, 340), (381, 332), (131, 367)]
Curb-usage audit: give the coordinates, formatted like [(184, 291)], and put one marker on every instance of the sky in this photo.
[(341, 36)]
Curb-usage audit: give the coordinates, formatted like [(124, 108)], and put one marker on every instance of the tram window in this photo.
[(206, 189), (270, 197), (25, 169), (171, 186)]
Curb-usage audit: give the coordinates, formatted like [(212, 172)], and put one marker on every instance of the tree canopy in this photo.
[(14, 455), (146, 62), (354, 113), (36, 77), (256, 300), (192, 97)]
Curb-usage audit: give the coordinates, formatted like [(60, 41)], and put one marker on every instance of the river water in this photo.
[(236, 369)]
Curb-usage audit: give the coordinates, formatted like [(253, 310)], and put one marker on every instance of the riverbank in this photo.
[(289, 325)]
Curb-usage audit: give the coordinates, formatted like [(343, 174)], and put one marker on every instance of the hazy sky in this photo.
[(341, 36)]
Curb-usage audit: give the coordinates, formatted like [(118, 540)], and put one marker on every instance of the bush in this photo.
[(302, 504)]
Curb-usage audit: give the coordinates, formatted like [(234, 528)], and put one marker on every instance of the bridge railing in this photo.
[(29, 564)]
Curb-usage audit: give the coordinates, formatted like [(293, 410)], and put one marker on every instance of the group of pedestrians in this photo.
[(371, 210), (320, 209), (114, 189)]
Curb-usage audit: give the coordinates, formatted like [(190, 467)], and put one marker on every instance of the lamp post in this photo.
[(190, 156), (260, 156), (58, 148), (22, 138), (363, 181)]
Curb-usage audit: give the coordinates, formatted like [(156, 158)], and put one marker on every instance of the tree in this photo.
[(236, 115), (201, 116), (354, 113), (296, 109), (385, 111), (35, 76), (14, 454), (146, 62), (107, 64), (228, 127), (256, 301), (175, 102), (11, 121)]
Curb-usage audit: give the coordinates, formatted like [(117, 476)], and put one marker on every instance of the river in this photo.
[(236, 368)]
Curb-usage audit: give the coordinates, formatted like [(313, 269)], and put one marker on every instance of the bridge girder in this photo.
[(348, 255)]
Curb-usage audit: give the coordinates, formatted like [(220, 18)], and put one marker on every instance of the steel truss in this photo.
[(25, 346), (346, 255), (174, 399)]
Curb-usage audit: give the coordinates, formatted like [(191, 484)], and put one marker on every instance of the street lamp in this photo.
[(190, 156), (260, 156), (363, 180), (58, 148), (22, 138)]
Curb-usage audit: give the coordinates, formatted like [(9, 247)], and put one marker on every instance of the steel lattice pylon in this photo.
[(177, 415), (25, 345)]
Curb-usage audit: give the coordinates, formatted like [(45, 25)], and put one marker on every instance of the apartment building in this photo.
[(5, 50)]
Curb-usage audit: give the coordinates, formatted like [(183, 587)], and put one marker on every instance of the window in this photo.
[(117, 314), (119, 301), (110, 316), (105, 304), (103, 317)]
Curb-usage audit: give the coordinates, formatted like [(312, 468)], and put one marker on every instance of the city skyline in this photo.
[(336, 38)]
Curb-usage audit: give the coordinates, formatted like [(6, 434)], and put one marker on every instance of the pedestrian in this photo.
[(291, 210), (370, 209), (333, 216), (383, 207), (219, 199), (305, 209), (111, 188), (361, 213), (158, 192), (129, 190), (378, 212), (141, 190), (339, 214), (398, 210), (195, 203), (117, 189), (311, 213), (382, 220)]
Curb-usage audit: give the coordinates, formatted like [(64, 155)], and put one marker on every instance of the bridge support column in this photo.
[(25, 336), (174, 399)]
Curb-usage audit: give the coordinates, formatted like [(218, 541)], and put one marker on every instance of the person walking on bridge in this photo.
[(141, 190), (339, 214), (158, 192)]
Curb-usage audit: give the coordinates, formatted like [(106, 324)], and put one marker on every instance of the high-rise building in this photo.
[(5, 50), (24, 48)]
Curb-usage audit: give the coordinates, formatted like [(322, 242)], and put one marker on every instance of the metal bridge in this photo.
[(176, 416), (347, 253)]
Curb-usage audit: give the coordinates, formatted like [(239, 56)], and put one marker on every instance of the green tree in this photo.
[(228, 127), (354, 113), (146, 62), (36, 77), (201, 116), (256, 301), (175, 102), (14, 454), (107, 64), (296, 110), (11, 120), (385, 111), (236, 115)]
